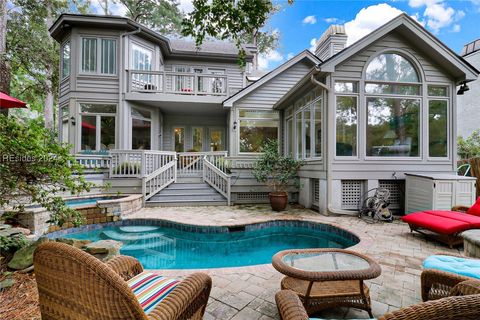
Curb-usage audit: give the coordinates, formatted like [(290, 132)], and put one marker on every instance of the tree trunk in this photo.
[(255, 55), (4, 66), (49, 98)]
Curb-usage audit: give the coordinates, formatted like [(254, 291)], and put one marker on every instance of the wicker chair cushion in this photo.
[(150, 289), (475, 209), (457, 265)]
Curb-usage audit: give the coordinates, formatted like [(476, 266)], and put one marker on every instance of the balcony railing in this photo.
[(177, 83)]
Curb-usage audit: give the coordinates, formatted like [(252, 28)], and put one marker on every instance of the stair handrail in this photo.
[(159, 179), (216, 178)]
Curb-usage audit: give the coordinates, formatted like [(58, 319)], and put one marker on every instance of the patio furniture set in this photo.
[(74, 285)]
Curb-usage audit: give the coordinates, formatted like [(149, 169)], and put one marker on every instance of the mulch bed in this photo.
[(20, 301)]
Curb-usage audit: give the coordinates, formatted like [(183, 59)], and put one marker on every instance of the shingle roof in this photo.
[(207, 46)]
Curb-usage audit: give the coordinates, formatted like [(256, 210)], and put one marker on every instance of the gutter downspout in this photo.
[(121, 74), (330, 209)]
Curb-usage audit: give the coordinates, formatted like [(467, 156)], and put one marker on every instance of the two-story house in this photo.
[(158, 112)]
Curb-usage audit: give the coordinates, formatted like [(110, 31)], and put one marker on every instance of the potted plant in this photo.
[(278, 172)]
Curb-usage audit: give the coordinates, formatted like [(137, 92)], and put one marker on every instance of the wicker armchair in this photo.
[(74, 285), (463, 304)]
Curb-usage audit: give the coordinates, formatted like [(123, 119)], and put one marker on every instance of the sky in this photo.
[(300, 24)]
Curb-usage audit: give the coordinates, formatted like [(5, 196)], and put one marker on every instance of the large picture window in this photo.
[(97, 126), (141, 129), (393, 127), (256, 126), (393, 97), (99, 55)]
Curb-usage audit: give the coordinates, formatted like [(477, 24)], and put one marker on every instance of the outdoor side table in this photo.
[(327, 278)]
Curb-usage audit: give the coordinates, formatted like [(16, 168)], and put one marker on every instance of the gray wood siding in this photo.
[(269, 93), (187, 122), (97, 84), (353, 67)]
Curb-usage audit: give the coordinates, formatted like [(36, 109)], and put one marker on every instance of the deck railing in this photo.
[(138, 163), (159, 179), (93, 161), (191, 163), (177, 82), (216, 178)]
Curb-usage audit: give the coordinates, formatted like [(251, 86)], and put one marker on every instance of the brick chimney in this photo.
[(333, 40)]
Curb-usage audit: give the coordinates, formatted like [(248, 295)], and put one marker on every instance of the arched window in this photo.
[(393, 98), (391, 67)]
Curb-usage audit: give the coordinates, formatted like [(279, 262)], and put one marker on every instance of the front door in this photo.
[(217, 139)]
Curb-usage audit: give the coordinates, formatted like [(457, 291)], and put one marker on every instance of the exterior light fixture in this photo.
[(72, 120), (463, 88), (234, 125)]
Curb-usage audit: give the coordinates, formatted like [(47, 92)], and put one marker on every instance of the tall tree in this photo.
[(237, 20), (164, 16), (4, 66), (32, 53)]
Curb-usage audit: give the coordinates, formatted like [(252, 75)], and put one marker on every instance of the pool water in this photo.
[(170, 248), (86, 201)]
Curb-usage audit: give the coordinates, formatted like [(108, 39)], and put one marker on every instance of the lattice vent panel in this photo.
[(316, 193), (352, 190), (396, 188), (252, 197)]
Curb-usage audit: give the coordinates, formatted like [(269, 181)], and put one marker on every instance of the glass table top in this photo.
[(325, 261)]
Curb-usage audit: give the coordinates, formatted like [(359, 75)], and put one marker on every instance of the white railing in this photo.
[(241, 162), (216, 178), (159, 179), (138, 163), (93, 161), (177, 83), (191, 163)]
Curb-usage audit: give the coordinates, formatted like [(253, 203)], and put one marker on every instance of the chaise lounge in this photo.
[(75, 285), (445, 226)]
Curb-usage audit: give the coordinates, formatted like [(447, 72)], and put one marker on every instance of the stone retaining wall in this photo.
[(105, 211)]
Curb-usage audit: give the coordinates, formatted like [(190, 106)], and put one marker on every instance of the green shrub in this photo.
[(277, 171), (12, 244), (469, 147), (35, 168)]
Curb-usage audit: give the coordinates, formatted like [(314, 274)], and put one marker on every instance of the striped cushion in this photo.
[(150, 289)]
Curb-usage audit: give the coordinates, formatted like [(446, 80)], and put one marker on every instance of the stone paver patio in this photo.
[(248, 292)]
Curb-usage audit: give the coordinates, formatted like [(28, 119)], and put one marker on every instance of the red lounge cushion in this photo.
[(475, 209), (436, 223), (474, 221)]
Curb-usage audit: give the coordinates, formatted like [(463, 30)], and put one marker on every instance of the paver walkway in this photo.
[(248, 292)]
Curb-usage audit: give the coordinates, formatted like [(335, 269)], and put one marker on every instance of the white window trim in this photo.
[(299, 110), (98, 57), (97, 119), (357, 97), (449, 130), (238, 128), (132, 117), (62, 66), (422, 97)]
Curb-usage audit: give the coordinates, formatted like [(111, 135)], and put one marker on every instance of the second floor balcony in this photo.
[(178, 83)]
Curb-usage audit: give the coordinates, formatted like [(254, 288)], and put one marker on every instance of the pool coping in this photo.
[(364, 240)]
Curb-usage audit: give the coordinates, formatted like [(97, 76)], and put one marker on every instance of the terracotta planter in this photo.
[(278, 200)]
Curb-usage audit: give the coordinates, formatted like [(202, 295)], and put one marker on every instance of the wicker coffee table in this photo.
[(327, 278)]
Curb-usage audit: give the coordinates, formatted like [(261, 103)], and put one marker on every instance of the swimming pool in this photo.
[(176, 246)]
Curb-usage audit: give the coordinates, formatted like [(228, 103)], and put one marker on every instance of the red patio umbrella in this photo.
[(88, 125), (7, 102)]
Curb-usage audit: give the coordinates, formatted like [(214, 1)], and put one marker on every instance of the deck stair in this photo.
[(187, 193)]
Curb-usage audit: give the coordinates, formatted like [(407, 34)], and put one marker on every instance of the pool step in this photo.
[(185, 194)]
